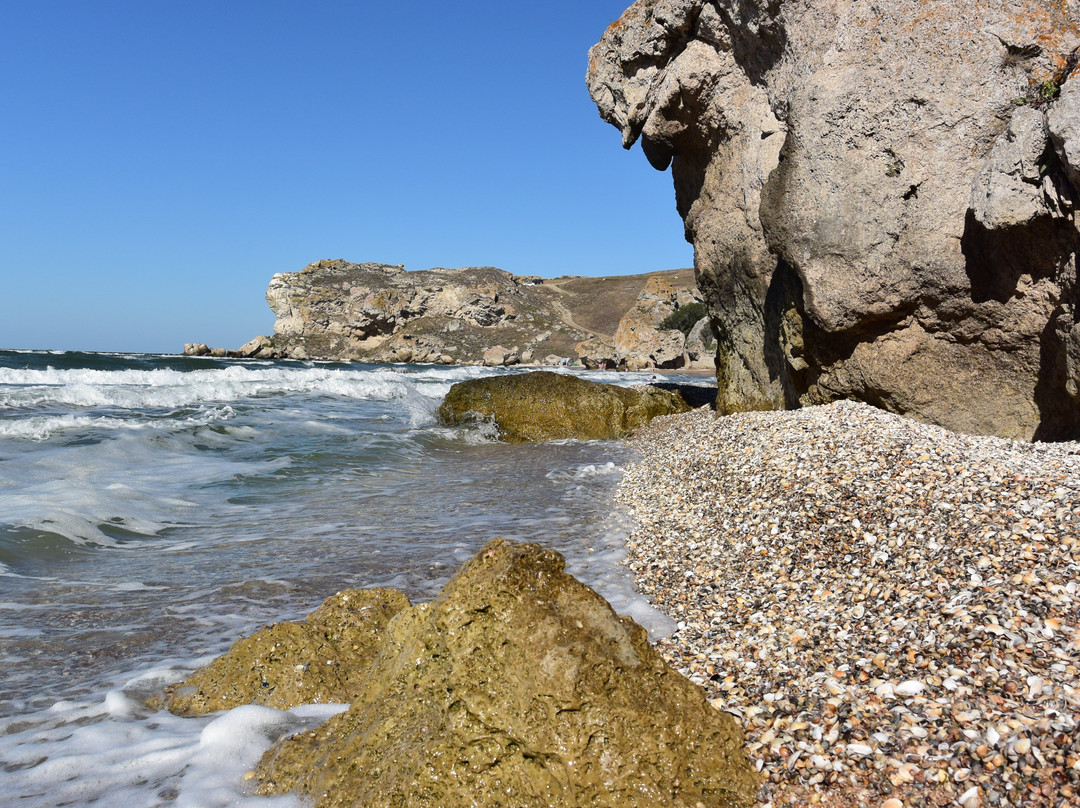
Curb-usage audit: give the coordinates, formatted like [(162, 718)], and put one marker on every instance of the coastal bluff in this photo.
[(516, 686), (371, 312), (882, 199)]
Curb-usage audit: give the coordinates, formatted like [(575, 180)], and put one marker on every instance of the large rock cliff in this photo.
[(881, 197), (382, 313)]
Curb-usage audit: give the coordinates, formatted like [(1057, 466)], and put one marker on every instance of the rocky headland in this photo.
[(881, 198), (480, 315)]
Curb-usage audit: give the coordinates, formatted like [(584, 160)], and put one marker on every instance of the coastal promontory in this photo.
[(339, 310), (881, 198)]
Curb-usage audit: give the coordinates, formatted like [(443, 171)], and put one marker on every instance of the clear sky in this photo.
[(162, 160)]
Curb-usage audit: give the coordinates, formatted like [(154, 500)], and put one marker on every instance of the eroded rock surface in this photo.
[(518, 686), (641, 340), (474, 315), (325, 659), (543, 405), (881, 197)]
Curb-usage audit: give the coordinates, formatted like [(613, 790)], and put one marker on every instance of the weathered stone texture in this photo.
[(641, 341), (517, 687), (324, 659), (881, 197), (542, 405), (473, 315)]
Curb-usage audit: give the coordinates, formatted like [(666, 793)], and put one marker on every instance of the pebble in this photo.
[(891, 609)]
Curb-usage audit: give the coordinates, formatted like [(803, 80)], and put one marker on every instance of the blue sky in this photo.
[(162, 160)]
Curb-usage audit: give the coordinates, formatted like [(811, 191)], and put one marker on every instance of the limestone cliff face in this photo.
[(342, 310), (641, 340), (381, 313), (881, 196)]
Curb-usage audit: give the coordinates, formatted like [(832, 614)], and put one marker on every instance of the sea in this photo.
[(153, 508)]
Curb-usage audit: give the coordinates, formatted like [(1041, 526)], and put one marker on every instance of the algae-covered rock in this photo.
[(542, 405), (323, 659), (518, 686)]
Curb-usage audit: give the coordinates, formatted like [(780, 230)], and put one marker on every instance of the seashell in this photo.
[(859, 749), (912, 687), (970, 798), (1022, 746), (885, 691)]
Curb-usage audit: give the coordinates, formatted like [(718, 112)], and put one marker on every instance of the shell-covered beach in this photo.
[(891, 609)]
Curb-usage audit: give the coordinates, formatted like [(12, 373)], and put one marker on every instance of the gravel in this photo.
[(889, 608)]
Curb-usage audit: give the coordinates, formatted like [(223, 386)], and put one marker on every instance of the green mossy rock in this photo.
[(517, 687), (542, 406), (325, 659)]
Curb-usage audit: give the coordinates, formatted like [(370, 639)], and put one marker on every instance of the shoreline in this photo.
[(890, 609)]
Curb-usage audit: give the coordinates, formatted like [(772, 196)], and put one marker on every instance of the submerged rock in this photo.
[(517, 686), (543, 405)]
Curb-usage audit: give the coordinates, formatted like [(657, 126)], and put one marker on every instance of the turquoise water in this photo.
[(153, 508)]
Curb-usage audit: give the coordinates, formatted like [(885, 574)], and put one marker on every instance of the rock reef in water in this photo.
[(517, 686), (881, 198), (542, 405)]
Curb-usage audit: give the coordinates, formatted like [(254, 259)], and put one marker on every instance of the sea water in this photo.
[(155, 508)]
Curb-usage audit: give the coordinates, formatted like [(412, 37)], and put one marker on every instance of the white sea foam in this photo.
[(116, 752), (586, 472), (170, 389), (43, 427), (235, 495), (137, 586), (130, 485)]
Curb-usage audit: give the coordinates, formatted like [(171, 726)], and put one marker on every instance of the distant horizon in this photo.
[(165, 162)]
